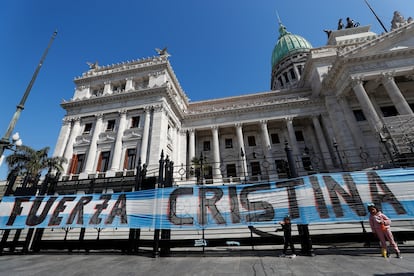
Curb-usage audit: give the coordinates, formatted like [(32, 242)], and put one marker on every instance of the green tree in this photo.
[(31, 163), (202, 169)]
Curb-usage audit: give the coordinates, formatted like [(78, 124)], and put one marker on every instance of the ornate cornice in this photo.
[(211, 110), (347, 56), (110, 98), (129, 66)]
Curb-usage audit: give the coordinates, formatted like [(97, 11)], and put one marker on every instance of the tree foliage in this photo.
[(28, 161)]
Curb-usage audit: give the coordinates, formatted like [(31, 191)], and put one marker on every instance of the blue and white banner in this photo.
[(320, 198)]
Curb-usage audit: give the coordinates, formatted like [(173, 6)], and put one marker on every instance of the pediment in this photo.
[(397, 40)]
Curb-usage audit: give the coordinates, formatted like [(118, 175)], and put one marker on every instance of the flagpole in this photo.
[(5, 140), (376, 16)]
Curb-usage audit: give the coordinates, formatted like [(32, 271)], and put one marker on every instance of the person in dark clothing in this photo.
[(287, 235)]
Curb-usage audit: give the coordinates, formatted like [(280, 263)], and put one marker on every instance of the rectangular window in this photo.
[(275, 138), (135, 122), (229, 143), (359, 115), (292, 74), (206, 146), (255, 168), (103, 162), (251, 140), (87, 129), (231, 170), (78, 161), (111, 125), (130, 158), (299, 135), (389, 111)]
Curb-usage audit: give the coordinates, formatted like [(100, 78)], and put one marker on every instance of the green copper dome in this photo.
[(288, 44)]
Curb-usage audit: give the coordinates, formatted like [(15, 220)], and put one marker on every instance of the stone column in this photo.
[(216, 155), (145, 135), (265, 135), (181, 148), (191, 146), (129, 86), (158, 136), (267, 151), (372, 116), (107, 88), (351, 122), (292, 136), (395, 94), (71, 141), (91, 156), (191, 150), (284, 81), (239, 133), (63, 137), (295, 69), (322, 142), (116, 155)]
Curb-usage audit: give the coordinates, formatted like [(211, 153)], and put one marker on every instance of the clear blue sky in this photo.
[(218, 47)]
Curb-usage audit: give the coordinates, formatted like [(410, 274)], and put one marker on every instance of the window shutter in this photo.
[(98, 168), (126, 160), (74, 164)]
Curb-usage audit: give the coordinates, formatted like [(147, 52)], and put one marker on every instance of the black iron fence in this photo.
[(162, 241)]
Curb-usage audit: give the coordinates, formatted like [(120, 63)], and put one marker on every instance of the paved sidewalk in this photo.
[(216, 261)]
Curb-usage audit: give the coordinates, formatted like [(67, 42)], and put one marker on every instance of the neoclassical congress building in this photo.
[(344, 106)]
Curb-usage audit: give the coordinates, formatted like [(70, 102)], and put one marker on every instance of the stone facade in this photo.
[(349, 107)]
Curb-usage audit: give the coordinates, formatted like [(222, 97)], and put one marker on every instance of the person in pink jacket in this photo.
[(380, 225)]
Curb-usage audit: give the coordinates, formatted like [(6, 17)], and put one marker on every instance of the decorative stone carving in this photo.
[(397, 20)]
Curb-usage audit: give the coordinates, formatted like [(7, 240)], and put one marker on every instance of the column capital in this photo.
[(214, 127), (387, 76), (191, 130), (99, 116), (147, 109), (122, 112), (75, 119), (263, 122), (158, 107), (67, 120), (289, 119), (356, 80), (238, 125)]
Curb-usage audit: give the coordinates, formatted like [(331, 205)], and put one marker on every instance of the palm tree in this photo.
[(31, 163)]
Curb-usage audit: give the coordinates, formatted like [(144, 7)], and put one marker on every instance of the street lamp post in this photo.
[(303, 229), (291, 161), (5, 140), (335, 145), (384, 141), (16, 142), (242, 155)]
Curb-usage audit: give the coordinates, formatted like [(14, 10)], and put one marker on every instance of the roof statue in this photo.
[(340, 24), (398, 20), (350, 23), (162, 52), (328, 32), (93, 66)]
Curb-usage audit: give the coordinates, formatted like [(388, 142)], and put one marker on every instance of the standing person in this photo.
[(287, 235), (380, 225)]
